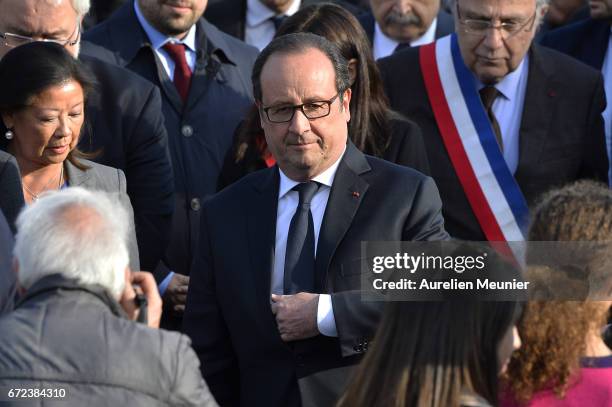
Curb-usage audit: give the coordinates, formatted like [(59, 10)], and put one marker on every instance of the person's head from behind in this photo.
[(24, 21), (495, 35), (601, 9), (301, 86), (172, 18), (79, 234), (43, 103), (435, 353), (341, 28), (557, 333), (404, 20)]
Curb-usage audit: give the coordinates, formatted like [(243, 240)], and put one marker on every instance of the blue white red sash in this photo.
[(494, 195)]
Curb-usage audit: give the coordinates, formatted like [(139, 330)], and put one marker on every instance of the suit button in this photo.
[(187, 130), (195, 204)]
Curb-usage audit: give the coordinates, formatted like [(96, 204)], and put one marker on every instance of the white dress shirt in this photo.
[(606, 70), (158, 40), (259, 29), (384, 46), (287, 204), (508, 110)]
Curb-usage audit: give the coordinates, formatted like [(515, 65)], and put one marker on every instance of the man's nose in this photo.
[(403, 6), (299, 124), (494, 38)]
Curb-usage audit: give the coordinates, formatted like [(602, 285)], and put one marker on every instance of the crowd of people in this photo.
[(188, 187)]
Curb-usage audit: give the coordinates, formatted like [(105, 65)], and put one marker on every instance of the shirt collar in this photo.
[(258, 13), (158, 39), (326, 178), (509, 85), (383, 42)]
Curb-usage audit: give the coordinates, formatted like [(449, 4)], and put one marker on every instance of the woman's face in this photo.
[(49, 127), (510, 342)]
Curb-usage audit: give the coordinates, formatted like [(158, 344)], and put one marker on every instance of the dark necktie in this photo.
[(278, 20), (182, 73), (401, 46), (488, 95), (300, 252)]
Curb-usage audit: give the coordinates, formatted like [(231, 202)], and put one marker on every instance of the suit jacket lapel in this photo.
[(76, 177), (261, 232), (538, 109), (347, 193)]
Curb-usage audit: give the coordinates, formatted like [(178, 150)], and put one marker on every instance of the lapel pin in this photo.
[(355, 194)]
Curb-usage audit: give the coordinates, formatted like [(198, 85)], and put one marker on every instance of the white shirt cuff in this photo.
[(325, 316)]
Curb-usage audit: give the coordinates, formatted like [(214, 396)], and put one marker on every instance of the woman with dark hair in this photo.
[(42, 104), (564, 360), (440, 353), (374, 128)]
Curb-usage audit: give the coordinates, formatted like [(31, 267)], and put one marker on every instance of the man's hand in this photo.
[(145, 284), (175, 295), (296, 315)]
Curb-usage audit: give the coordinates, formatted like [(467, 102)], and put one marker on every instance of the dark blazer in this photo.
[(7, 275), (230, 15), (200, 133), (11, 194), (100, 178), (124, 127), (406, 148), (445, 24), (561, 132), (586, 41), (228, 315)]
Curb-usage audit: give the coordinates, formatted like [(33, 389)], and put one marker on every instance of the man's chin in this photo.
[(490, 75)]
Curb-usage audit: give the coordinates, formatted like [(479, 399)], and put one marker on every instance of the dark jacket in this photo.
[(7, 275), (66, 336), (199, 133), (11, 194)]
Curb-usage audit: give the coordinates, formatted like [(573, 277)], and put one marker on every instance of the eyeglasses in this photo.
[(15, 40), (507, 28), (312, 110)]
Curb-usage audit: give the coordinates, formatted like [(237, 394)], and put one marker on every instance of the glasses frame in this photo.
[(527, 26), (27, 40), (328, 102)]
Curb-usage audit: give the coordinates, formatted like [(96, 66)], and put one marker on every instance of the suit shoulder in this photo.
[(238, 51), (236, 193), (564, 37), (391, 173), (572, 71), (110, 175), (111, 76)]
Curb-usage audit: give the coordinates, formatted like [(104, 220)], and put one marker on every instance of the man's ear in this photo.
[(346, 102), (353, 65)]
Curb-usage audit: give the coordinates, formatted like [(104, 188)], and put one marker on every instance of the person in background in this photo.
[(440, 353), (74, 328), (374, 128), (124, 127), (564, 360), (42, 105), (11, 193), (393, 25)]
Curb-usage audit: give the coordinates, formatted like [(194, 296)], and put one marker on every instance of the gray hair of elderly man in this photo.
[(450, 4), (79, 234), (81, 6)]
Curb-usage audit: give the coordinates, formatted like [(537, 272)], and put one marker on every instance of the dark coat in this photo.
[(77, 338), (406, 148), (11, 194), (445, 24), (587, 41), (200, 133), (228, 315), (7, 275), (230, 15), (561, 133)]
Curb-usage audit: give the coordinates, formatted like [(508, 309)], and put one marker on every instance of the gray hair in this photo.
[(79, 234), (81, 7), (296, 43), (450, 4)]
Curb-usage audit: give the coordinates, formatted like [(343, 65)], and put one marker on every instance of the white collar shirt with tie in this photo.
[(158, 40), (383, 46), (259, 29), (287, 204)]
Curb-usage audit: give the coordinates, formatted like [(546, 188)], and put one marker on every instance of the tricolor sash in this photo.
[(492, 191)]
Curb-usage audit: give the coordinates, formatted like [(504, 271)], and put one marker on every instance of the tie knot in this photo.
[(278, 20), (306, 190), (488, 95), (175, 50), (401, 46)]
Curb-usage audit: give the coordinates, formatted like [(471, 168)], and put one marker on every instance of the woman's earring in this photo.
[(9, 134)]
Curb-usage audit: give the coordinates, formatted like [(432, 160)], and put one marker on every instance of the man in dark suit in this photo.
[(204, 77), (589, 42), (123, 115), (275, 285), (392, 25), (8, 280), (547, 106), (256, 21), (11, 194)]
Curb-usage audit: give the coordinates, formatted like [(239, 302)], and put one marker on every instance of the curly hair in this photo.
[(554, 333)]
